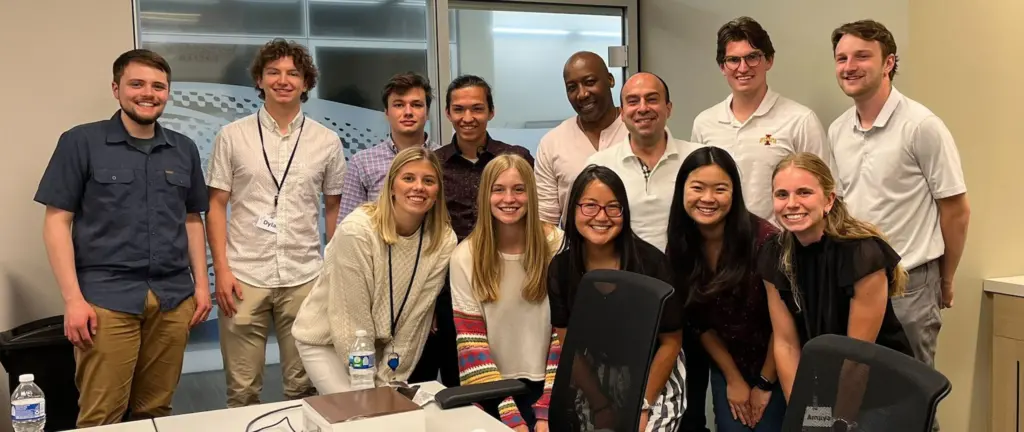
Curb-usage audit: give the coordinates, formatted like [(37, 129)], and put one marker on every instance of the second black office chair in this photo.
[(848, 384)]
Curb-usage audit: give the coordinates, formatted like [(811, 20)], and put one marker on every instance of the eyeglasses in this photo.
[(753, 59), (592, 209)]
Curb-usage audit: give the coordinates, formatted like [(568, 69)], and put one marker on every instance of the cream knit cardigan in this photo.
[(352, 294)]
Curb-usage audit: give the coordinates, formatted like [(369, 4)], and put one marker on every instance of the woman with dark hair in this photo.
[(598, 236), (713, 245)]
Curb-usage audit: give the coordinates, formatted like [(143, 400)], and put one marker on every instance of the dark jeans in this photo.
[(771, 420), (525, 401), (697, 363), (440, 354)]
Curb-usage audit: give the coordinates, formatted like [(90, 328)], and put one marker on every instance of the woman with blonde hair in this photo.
[(382, 273), (499, 294), (827, 272)]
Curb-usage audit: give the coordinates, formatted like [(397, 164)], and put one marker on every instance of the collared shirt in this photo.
[(366, 173), (650, 195), (894, 171), (129, 210), (561, 156), (291, 256), (462, 179), (779, 127)]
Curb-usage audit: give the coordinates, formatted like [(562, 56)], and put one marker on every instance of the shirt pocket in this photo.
[(175, 189), (114, 186)]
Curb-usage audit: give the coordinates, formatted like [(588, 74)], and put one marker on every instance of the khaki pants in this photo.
[(134, 362), (243, 342)]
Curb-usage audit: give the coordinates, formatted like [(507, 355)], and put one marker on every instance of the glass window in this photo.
[(402, 20), (275, 17), (521, 54)]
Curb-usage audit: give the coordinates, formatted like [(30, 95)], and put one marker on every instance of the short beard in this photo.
[(138, 119)]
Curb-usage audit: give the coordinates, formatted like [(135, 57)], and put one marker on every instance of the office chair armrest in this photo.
[(455, 397)]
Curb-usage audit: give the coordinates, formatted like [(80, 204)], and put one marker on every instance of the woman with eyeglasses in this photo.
[(598, 236)]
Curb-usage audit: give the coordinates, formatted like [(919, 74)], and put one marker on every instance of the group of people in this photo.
[(462, 261)]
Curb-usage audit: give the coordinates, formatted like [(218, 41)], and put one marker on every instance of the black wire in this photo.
[(284, 419), (264, 415), (155, 429)]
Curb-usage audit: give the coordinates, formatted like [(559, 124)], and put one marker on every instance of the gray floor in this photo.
[(206, 391)]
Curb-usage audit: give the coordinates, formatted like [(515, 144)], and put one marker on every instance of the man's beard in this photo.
[(139, 119)]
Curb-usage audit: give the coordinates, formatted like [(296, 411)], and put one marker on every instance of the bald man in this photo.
[(648, 161), (596, 126)]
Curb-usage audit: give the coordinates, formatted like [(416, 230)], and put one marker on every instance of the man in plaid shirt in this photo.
[(406, 99)]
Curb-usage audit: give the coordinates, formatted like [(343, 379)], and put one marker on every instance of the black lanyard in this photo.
[(259, 125), (391, 287)]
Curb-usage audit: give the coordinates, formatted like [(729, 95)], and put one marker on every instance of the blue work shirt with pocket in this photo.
[(129, 203)]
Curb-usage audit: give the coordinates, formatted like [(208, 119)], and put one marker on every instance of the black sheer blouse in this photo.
[(825, 273)]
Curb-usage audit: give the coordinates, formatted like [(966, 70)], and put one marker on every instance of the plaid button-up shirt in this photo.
[(366, 173)]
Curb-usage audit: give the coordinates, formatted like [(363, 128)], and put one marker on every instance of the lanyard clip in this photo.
[(276, 196)]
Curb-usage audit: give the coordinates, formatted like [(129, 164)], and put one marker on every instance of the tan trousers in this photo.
[(135, 361), (243, 342)]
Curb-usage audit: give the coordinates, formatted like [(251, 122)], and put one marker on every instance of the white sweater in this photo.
[(352, 294)]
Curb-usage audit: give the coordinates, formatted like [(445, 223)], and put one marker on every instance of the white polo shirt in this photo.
[(779, 127), (893, 173), (649, 198)]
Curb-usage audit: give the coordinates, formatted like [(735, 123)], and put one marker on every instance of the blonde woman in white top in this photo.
[(499, 294), (382, 273)]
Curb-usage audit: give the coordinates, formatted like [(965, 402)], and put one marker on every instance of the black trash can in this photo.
[(40, 348)]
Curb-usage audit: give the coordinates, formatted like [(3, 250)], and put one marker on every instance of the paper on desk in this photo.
[(423, 397)]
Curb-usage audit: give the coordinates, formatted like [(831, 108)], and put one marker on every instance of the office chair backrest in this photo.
[(608, 349), (877, 388)]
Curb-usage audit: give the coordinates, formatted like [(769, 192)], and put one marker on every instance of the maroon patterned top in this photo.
[(741, 319), (462, 179)]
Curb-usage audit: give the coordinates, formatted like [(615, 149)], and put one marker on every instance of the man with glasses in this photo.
[(755, 124)]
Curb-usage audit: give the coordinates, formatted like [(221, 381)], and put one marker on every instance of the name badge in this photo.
[(267, 223)]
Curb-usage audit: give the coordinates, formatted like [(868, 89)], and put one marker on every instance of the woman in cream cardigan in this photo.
[(382, 273)]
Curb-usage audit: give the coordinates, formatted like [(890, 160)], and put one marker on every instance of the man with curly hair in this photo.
[(271, 167)]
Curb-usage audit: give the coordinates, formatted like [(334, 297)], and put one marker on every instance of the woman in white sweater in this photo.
[(382, 273), (499, 294)]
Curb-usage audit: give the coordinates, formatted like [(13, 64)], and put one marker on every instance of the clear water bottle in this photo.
[(28, 406), (362, 362)]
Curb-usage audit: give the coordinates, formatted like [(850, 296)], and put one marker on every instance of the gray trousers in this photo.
[(918, 311)]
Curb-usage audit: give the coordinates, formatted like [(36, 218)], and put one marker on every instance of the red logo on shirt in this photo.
[(767, 139)]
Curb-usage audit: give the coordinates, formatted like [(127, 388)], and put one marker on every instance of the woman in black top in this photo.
[(713, 244), (826, 273), (598, 236)]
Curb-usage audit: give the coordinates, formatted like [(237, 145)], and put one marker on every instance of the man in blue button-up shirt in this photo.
[(124, 234)]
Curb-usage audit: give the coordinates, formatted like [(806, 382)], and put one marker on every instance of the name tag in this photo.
[(267, 223)]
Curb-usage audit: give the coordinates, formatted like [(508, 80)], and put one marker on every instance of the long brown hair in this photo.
[(484, 238), (838, 221)]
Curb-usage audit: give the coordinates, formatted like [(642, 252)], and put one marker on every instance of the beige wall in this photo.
[(678, 37), (964, 70), (57, 77)]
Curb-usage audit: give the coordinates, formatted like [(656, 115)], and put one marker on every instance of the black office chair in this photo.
[(608, 349), (848, 384)]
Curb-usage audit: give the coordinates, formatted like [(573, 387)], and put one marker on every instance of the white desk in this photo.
[(465, 419)]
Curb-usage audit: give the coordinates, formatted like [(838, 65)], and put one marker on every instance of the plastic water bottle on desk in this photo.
[(28, 406), (362, 362)]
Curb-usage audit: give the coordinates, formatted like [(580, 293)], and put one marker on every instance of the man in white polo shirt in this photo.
[(563, 150), (901, 171), (756, 125), (272, 168), (649, 158)]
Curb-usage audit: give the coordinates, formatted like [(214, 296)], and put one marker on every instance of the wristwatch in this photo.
[(842, 425), (764, 384)]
